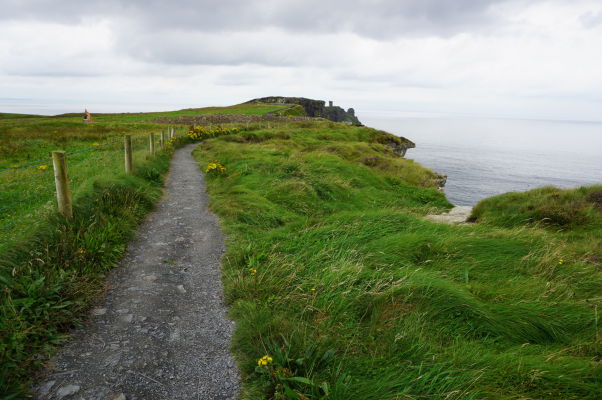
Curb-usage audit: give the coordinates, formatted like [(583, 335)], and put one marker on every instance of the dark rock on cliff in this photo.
[(398, 144), (314, 108), (337, 114)]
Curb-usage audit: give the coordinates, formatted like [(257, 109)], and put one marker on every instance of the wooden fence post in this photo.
[(162, 139), (63, 191), (128, 153), (171, 132), (151, 143)]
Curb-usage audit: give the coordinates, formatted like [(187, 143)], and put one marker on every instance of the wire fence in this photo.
[(28, 191)]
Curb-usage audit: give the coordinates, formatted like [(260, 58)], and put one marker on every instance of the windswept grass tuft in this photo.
[(550, 207), (49, 278), (332, 271)]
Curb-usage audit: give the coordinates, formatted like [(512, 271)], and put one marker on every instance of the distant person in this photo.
[(87, 116)]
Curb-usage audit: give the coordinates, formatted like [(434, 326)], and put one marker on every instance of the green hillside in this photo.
[(339, 287), (333, 272)]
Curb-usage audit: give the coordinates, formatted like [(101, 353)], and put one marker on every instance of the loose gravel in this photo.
[(161, 330)]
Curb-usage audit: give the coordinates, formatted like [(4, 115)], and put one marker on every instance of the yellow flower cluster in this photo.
[(169, 145), (43, 167), (561, 261), (253, 271), (264, 361), (216, 167), (206, 132)]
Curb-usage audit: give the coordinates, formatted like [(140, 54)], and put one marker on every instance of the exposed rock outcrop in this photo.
[(398, 144), (337, 114), (441, 181), (457, 215), (314, 108)]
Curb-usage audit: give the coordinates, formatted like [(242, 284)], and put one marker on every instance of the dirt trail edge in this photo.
[(161, 330)]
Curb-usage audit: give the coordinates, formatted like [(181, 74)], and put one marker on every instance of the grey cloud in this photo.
[(591, 20), (379, 19), (179, 47), (406, 79), (187, 49), (220, 32)]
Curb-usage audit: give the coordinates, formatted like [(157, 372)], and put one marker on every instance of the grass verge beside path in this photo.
[(333, 274), (51, 268), (49, 278)]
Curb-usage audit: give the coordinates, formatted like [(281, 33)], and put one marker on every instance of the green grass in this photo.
[(51, 268), (12, 116), (26, 138), (247, 109), (27, 193), (332, 271), (50, 277), (548, 207)]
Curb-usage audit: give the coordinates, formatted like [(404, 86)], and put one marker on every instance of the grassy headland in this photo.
[(50, 267), (332, 272)]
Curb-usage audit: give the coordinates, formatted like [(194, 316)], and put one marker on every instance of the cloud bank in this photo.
[(528, 59)]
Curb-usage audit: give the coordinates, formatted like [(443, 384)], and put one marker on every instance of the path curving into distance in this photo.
[(160, 331)]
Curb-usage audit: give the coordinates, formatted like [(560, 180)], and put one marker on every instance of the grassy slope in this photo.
[(332, 271), (27, 193), (26, 138), (50, 268), (250, 109)]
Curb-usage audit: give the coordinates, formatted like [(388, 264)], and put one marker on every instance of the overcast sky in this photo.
[(525, 59)]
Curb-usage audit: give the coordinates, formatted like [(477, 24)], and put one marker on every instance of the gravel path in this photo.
[(161, 331)]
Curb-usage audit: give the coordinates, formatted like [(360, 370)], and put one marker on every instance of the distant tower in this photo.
[(330, 103)]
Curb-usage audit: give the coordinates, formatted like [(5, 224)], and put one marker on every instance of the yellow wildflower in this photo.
[(215, 166), (253, 271), (43, 167), (264, 361), (561, 261)]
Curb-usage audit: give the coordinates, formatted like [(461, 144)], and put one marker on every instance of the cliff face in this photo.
[(398, 144), (337, 114), (314, 108)]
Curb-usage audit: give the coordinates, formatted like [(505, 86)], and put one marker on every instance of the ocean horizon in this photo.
[(484, 157)]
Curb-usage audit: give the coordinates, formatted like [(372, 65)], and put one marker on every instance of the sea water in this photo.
[(483, 157)]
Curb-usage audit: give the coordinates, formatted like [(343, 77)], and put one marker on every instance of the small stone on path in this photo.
[(67, 391), (126, 318), (45, 388)]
